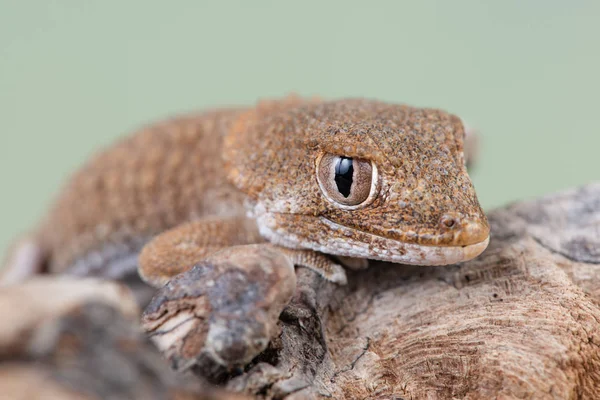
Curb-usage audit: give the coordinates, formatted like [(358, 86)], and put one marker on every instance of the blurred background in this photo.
[(75, 75)]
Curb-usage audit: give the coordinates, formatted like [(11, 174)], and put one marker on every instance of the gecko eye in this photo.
[(346, 181)]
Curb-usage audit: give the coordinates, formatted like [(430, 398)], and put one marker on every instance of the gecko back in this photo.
[(157, 178)]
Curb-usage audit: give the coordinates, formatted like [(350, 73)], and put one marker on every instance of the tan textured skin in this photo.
[(260, 162), (419, 154)]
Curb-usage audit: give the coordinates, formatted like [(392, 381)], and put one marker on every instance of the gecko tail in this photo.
[(25, 258)]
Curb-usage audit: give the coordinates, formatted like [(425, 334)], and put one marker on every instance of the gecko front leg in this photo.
[(177, 250), (222, 291)]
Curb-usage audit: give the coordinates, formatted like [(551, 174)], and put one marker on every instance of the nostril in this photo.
[(463, 229), (448, 221)]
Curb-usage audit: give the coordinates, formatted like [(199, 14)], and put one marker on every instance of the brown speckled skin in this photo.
[(162, 176), (215, 163)]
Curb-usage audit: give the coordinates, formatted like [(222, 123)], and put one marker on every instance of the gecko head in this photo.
[(359, 178)]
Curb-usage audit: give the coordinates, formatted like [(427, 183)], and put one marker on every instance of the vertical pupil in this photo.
[(343, 175)]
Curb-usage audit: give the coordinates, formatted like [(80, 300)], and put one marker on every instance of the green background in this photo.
[(75, 75)]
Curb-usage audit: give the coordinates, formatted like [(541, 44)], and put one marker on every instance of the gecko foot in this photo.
[(319, 263), (223, 312)]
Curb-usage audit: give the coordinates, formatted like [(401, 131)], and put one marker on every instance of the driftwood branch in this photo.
[(521, 321), (65, 339)]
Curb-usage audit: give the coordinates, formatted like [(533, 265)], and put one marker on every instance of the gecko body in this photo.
[(317, 183), (263, 163)]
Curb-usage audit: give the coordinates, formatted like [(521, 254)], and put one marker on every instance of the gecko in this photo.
[(291, 182)]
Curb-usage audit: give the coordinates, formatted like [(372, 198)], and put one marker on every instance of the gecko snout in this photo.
[(466, 230)]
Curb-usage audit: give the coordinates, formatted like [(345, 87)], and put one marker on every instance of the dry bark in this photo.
[(68, 338), (521, 321)]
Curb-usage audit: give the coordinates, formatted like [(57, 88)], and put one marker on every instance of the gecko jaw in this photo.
[(380, 248), (332, 238)]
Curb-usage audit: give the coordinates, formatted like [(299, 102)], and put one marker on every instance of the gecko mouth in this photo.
[(330, 237), (351, 242)]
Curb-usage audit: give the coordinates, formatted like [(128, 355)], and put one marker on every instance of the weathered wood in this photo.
[(521, 321), (68, 338)]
